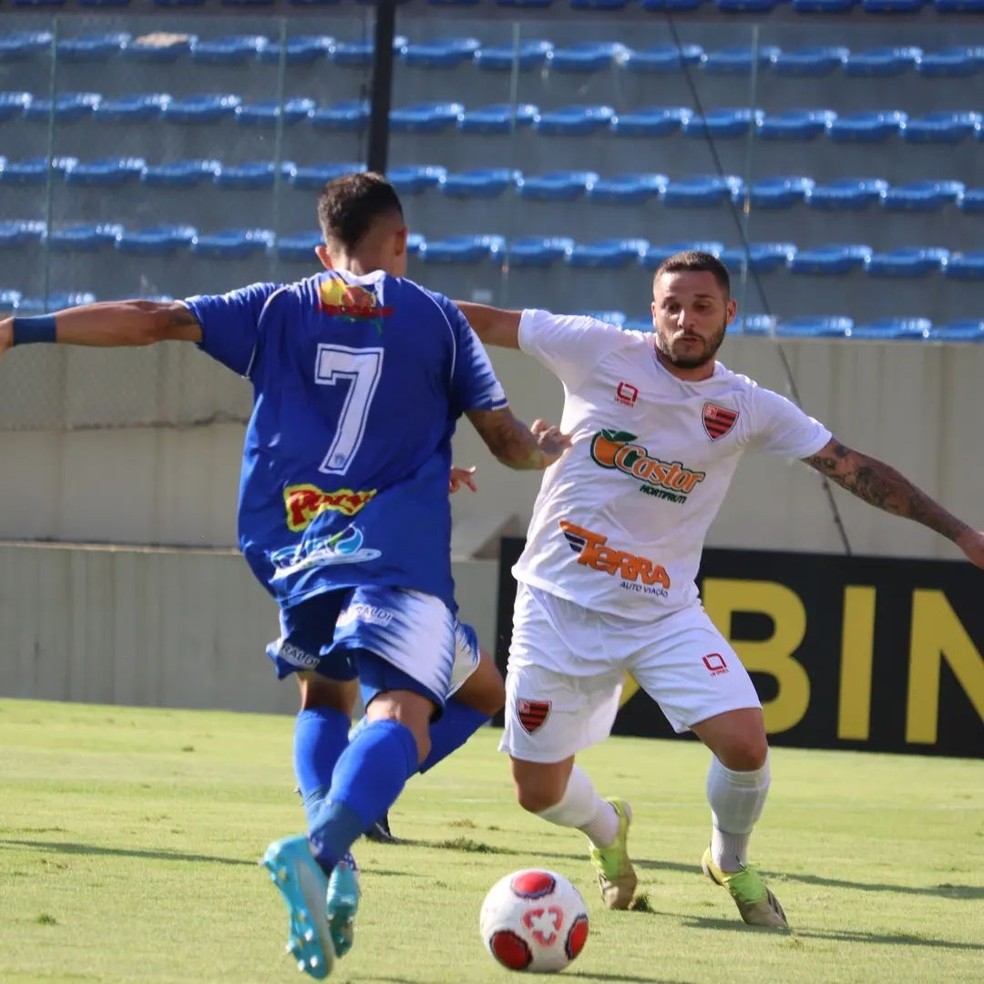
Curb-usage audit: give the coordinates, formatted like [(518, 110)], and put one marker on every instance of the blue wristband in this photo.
[(40, 328)]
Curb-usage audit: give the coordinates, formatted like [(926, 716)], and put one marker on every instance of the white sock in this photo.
[(736, 800), (581, 807)]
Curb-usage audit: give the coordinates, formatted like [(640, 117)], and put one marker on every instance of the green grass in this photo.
[(128, 840)]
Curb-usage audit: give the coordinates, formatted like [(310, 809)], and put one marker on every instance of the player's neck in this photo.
[(691, 375)]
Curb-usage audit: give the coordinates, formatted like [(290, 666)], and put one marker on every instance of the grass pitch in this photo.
[(129, 839)]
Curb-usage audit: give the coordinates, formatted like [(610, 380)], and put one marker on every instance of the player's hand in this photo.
[(552, 441), (971, 542), (6, 334), (462, 476)]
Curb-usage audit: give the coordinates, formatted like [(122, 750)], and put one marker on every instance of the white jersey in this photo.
[(620, 520)]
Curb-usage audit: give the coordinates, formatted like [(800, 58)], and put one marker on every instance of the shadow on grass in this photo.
[(67, 847)]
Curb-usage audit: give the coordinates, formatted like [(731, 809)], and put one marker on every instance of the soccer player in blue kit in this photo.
[(359, 377)]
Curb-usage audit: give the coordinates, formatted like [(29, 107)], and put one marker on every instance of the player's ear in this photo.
[(400, 241), (324, 256), (731, 310)]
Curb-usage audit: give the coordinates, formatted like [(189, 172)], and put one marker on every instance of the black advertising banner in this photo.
[(858, 653)]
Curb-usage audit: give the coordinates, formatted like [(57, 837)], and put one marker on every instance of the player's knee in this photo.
[(533, 799), (745, 752)]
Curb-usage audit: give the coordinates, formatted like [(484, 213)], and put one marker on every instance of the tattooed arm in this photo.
[(882, 486), (516, 445)]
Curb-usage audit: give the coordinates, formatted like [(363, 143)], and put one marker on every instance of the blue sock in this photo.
[(456, 725), (320, 737), (368, 778)]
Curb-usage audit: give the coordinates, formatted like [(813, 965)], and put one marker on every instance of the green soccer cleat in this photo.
[(616, 876), (757, 905), (342, 903)]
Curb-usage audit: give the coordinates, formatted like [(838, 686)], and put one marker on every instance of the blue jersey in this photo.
[(357, 384)]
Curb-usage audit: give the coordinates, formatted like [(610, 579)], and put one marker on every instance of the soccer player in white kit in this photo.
[(606, 581)]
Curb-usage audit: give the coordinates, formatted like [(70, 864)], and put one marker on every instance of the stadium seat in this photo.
[(959, 6), (824, 6), (348, 115), (783, 192), (462, 249), (921, 196), (252, 175), (485, 182), (415, 243), (830, 260), (747, 6), (497, 118), (556, 186), (538, 251), (965, 266), (672, 5), (643, 323), (893, 328), (866, 127), (429, 117), (607, 254), (849, 194), (914, 261), (69, 107), (440, 52), (972, 200), (702, 191), (574, 121), (359, 53), (628, 189), (235, 49), (884, 62), (655, 255), (34, 170), (233, 244), (299, 248), (270, 112), (201, 109), (662, 59), (316, 176), (737, 60), (814, 326), (754, 324), (759, 258), (163, 240), (106, 172), (92, 47), (815, 61), (794, 124), (9, 299), (892, 6), (86, 237), (657, 121), (302, 49), (586, 56), (24, 44), (13, 104), (163, 48), (20, 232), (949, 63), (941, 127), (720, 123), (180, 174), (525, 55), (131, 109), (413, 179), (524, 3), (968, 330)]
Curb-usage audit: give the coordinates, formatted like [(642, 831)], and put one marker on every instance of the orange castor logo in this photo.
[(669, 480)]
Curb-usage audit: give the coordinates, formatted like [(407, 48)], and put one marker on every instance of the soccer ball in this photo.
[(534, 920)]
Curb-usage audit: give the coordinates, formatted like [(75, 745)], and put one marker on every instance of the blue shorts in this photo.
[(392, 639)]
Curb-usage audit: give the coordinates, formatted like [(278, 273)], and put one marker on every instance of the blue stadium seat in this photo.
[(524, 3), (86, 237), (866, 127), (299, 248), (941, 127), (754, 324), (163, 48), (69, 107), (737, 60), (815, 326), (759, 258), (959, 6), (440, 52), (414, 179), (13, 104), (586, 56), (359, 53), (484, 182), (721, 123), (824, 6), (893, 6), (20, 232), (747, 6), (949, 63), (429, 117), (233, 244), (628, 189), (180, 174), (462, 249), (702, 191), (794, 124), (163, 240), (131, 109), (9, 299), (497, 118), (105, 172), (921, 196), (616, 318), (415, 243), (830, 260), (92, 47), (34, 170), (659, 252), (235, 49), (883, 62), (557, 186), (201, 109), (672, 5), (302, 49), (914, 261), (965, 266), (662, 59), (782, 192), (656, 121), (525, 55), (24, 44), (53, 302), (574, 121), (538, 251), (316, 176), (269, 112), (972, 200), (967, 330), (347, 116), (253, 175), (607, 254), (849, 194), (814, 61), (916, 329), (643, 323)]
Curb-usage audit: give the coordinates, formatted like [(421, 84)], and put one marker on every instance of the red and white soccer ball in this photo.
[(534, 920)]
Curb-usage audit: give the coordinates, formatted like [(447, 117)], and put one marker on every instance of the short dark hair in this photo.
[(694, 259), (348, 205)]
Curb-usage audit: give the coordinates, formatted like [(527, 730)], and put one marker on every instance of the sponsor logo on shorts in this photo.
[(362, 612), (304, 503), (626, 394), (342, 548), (636, 573), (715, 663), (296, 656), (668, 480), (532, 714), (717, 420)]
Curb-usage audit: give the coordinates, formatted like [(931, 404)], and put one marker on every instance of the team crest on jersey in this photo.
[(717, 420), (351, 302), (669, 480), (532, 714)]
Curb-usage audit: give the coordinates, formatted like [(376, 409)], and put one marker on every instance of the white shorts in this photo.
[(566, 668)]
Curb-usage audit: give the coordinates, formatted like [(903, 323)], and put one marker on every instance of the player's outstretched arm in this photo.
[(494, 326), (107, 323), (882, 486), (516, 445)]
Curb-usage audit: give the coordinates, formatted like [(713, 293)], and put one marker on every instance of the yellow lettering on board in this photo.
[(857, 657)]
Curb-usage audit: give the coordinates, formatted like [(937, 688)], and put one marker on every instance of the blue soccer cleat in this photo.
[(342, 903)]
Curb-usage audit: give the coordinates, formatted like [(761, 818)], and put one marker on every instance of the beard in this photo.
[(709, 348)]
